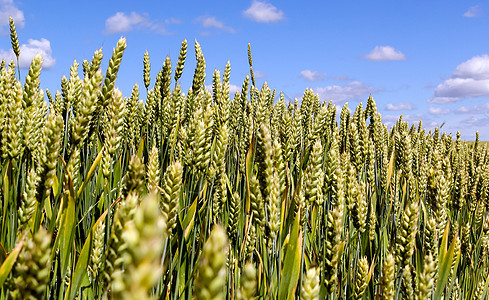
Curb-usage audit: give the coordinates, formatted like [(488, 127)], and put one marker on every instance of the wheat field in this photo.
[(207, 195)]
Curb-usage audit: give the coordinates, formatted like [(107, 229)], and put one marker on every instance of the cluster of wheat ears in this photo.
[(201, 196)]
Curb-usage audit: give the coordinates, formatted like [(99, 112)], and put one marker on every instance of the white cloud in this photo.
[(454, 89), (442, 100), (7, 9), (212, 22), (312, 75), (342, 78), (469, 80), (438, 110), (390, 120), (474, 11), (263, 12), (384, 53), (232, 89), (475, 123), (477, 68), (478, 109), (399, 106), (408, 117), (351, 91), (120, 22), (29, 50), (259, 74), (173, 21)]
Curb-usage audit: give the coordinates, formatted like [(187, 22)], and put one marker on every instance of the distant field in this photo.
[(480, 142)]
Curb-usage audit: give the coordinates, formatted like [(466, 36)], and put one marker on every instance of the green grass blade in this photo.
[(9, 262), (292, 262), (189, 220), (82, 263), (66, 233), (444, 270), (90, 172)]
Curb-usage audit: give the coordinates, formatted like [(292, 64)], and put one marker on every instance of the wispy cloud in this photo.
[(385, 53), (259, 74), (475, 122), (355, 90), (390, 120), (232, 89), (7, 9), (469, 80), (399, 106), (478, 109), (173, 21), (29, 50), (473, 12), (342, 78), (312, 75), (121, 22), (263, 12), (212, 22), (438, 110), (405, 117)]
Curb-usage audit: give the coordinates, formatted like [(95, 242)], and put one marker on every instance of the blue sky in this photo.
[(427, 60)]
